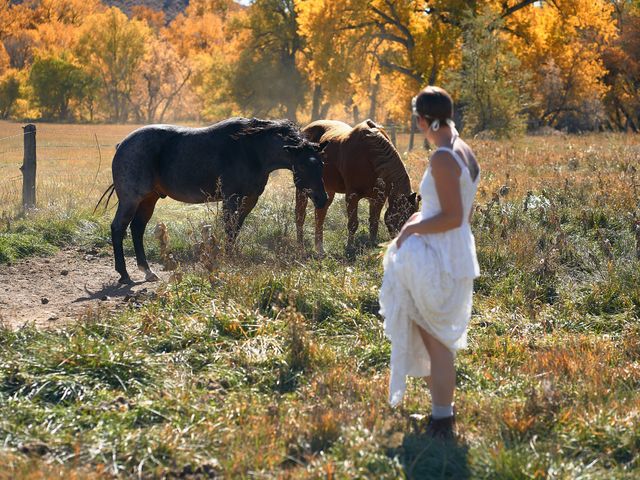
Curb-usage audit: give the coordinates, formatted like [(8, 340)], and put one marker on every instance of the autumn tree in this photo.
[(56, 81), (334, 52), (112, 47), (562, 44), (68, 12), (490, 85), (418, 38), (55, 26), (622, 63), (349, 59), (163, 73), (209, 38), (9, 93), (153, 18), (14, 20), (161, 77), (5, 61), (266, 77), (409, 39)]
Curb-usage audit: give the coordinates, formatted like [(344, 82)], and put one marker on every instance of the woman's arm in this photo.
[(446, 174)]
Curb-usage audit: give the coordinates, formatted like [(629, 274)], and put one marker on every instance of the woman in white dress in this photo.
[(429, 267)]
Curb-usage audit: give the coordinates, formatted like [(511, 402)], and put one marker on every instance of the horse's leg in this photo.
[(138, 224), (375, 207), (124, 214), (235, 209), (301, 214), (230, 218), (245, 207), (352, 200), (321, 214)]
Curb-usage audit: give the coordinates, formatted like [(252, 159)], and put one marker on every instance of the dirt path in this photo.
[(53, 290)]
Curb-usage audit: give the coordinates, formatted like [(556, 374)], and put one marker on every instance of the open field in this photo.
[(274, 364)]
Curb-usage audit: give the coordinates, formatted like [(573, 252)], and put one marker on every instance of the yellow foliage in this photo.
[(4, 59), (561, 43), (207, 36), (13, 18), (71, 12), (333, 52), (369, 55), (55, 37)]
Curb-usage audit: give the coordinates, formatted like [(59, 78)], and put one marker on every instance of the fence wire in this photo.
[(72, 168)]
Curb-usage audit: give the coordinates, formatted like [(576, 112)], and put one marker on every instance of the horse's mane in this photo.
[(386, 159), (332, 130), (387, 162), (286, 129)]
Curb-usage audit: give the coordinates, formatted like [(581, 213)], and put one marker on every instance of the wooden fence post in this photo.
[(414, 127), (392, 134), (29, 168)]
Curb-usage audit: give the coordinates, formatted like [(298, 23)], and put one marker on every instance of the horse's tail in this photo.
[(110, 189)]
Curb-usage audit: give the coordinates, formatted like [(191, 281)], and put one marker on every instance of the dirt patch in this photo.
[(51, 291)]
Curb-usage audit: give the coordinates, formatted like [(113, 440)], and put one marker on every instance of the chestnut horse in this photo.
[(229, 161), (360, 162)]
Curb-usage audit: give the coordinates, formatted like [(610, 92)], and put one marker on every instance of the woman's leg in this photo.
[(443, 373)]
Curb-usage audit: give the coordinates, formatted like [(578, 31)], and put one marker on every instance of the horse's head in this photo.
[(401, 207), (306, 163)]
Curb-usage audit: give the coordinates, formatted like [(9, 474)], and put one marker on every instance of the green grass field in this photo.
[(274, 364)]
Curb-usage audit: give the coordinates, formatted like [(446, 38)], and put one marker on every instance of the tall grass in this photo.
[(273, 363)]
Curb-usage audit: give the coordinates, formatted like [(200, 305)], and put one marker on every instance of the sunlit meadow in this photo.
[(273, 363)]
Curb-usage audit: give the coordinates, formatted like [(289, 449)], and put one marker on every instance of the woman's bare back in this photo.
[(468, 157)]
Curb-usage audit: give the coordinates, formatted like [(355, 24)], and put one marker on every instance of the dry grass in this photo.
[(273, 364)]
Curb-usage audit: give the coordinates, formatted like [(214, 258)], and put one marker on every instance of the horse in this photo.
[(360, 162), (229, 161)]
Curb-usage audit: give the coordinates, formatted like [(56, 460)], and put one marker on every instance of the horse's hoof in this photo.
[(350, 252), (125, 280), (150, 276)]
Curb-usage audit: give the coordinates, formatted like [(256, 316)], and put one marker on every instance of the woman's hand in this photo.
[(412, 218), (404, 234)]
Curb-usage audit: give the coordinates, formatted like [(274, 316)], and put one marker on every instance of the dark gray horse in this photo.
[(229, 161)]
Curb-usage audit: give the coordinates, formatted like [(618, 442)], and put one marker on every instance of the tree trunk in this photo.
[(324, 110), (317, 99), (374, 97), (291, 110), (413, 132)]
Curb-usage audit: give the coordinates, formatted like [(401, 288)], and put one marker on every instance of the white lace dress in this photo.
[(429, 282)]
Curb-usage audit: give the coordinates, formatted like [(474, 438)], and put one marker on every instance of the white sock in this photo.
[(441, 411)]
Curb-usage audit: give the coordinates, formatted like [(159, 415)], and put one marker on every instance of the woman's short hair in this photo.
[(433, 103)]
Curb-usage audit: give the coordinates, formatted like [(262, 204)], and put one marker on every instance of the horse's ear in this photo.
[(372, 124), (414, 198), (323, 146)]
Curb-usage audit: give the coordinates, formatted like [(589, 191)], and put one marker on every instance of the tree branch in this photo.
[(384, 35), (398, 68), (410, 43), (518, 6)]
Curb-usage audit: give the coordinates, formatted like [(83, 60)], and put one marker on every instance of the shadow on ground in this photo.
[(422, 457), (113, 290)]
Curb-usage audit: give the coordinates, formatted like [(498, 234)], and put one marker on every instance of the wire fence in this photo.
[(74, 162), (73, 167)]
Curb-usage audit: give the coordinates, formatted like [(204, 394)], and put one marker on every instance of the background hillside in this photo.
[(171, 8)]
